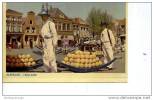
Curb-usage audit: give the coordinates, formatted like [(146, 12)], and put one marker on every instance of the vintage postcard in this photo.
[(64, 42)]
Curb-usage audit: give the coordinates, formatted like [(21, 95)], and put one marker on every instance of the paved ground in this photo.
[(119, 64)]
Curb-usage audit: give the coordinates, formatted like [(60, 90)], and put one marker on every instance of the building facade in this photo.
[(31, 31), (81, 26), (66, 26), (27, 30), (63, 23), (14, 32), (120, 29)]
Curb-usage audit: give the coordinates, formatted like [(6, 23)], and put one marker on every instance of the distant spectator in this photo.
[(75, 36), (62, 37), (31, 43), (65, 43), (14, 45), (19, 44)]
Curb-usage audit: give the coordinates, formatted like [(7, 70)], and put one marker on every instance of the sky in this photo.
[(117, 10)]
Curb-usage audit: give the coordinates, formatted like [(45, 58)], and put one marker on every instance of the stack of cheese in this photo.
[(98, 53), (24, 60), (82, 59)]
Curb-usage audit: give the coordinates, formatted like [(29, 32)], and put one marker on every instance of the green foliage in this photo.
[(95, 17)]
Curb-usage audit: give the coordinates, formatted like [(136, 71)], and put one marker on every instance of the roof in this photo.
[(31, 12), (56, 12), (38, 21), (79, 21), (23, 20), (10, 11)]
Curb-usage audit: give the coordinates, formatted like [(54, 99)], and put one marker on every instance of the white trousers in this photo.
[(49, 58), (50, 66), (109, 56)]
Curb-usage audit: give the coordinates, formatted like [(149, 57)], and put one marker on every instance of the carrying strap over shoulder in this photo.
[(50, 30), (49, 27), (109, 37)]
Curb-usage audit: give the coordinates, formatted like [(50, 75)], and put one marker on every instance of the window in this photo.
[(68, 26), (35, 38), (27, 29), (74, 26), (123, 26), (64, 26), (59, 26), (81, 28), (14, 27), (30, 21), (14, 19), (20, 30), (33, 29), (10, 27), (77, 27)]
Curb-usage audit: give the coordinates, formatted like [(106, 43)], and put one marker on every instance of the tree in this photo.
[(95, 17)]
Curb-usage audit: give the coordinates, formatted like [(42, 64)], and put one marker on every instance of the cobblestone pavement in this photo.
[(119, 64)]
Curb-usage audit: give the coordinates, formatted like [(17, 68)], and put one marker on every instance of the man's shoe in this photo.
[(110, 68)]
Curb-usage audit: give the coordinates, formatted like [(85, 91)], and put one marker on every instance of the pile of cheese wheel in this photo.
[(21, 60), (98, 53), (82, 59)]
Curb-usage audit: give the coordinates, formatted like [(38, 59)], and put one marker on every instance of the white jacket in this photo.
[(105, 37), (45, 32)]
